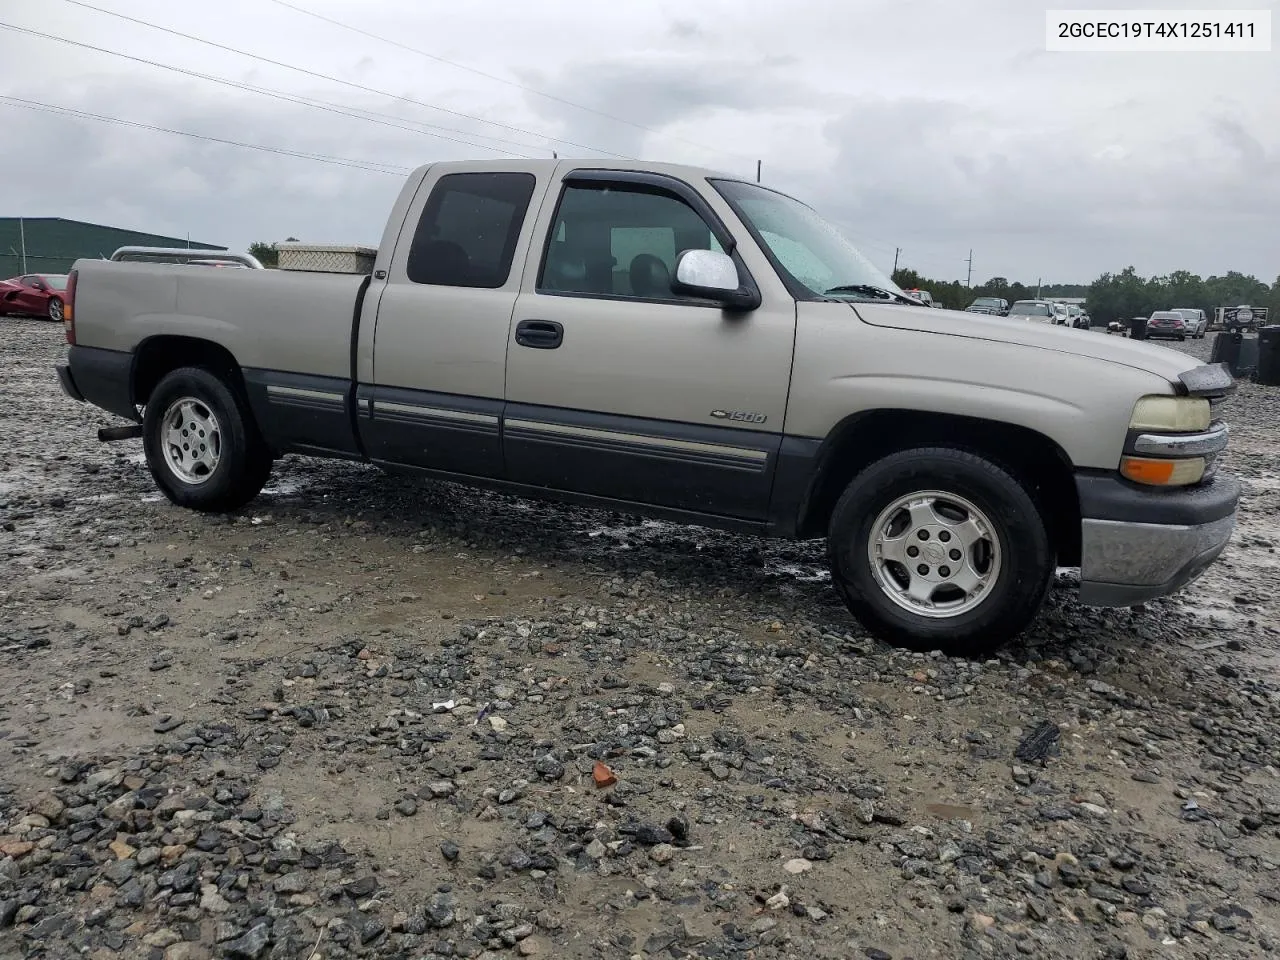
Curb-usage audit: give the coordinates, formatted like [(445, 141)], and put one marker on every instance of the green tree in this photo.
[(266, 253), (1121, 296)]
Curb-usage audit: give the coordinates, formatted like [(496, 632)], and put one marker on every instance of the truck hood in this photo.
[(1160, 361)]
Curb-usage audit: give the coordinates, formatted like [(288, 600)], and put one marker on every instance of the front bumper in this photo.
[(1137, 544)]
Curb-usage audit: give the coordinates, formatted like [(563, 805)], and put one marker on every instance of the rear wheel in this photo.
[(55, 310), (940, 549), (202, 446)]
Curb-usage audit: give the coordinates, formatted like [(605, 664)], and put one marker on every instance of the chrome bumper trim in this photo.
[(1124, 563), (1214, 440)]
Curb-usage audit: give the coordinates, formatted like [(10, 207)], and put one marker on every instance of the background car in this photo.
[(924, 296), (995, 306), (1166, 324), (35, 295), (1198, 319), (1078, 318), (1037, 311)]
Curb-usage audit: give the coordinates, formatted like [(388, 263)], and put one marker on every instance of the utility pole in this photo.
[(896, 251), (969, 278), (759, 165), (22, 242), (1037, 288)]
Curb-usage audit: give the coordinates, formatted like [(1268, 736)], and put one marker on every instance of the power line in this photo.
[(291, 98), (370, 166), (504, 80), (345, 83)]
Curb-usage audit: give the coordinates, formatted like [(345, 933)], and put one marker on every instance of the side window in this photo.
[(620, 241), (467, 234)]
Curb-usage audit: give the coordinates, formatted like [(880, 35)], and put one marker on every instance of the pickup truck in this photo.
[(667, 341)]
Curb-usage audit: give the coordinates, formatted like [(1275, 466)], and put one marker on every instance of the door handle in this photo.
[(539, 334)]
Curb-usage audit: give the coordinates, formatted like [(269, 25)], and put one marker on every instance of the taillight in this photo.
[(69, 308)]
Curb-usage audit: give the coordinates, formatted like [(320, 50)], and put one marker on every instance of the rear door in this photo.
[(440, 340), (619, 388)]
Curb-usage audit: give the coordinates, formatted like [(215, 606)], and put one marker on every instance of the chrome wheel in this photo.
[(55, 310), (934, 554), (191, 440)]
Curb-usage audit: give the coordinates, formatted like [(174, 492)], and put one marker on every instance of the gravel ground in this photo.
[(368, 718)]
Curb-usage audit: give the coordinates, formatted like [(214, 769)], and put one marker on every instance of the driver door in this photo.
[(32, 299), (619, 388)]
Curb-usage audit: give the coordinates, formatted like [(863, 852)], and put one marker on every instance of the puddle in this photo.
[(797, 572), (284, 488), (1220, 617), (948, 811)]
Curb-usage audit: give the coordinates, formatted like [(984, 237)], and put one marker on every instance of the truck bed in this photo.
[(268, 319)]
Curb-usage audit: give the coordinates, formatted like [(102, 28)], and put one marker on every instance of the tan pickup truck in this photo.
[(668, 341)]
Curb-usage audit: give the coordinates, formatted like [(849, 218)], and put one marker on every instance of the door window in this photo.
[(469, 228), (615, 241)]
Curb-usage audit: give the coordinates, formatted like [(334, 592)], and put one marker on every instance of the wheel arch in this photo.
[(1035, 459), (157, 356)]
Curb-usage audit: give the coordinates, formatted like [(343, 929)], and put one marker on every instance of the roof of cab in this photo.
[(682, 171)]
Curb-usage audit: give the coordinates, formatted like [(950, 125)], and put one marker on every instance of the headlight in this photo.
[(1174, 414)]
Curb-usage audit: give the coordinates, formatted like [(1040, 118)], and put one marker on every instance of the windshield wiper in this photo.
[(869, 290)]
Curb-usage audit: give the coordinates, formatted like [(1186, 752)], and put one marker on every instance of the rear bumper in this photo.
[(68, 382), (103, 378), (1137, 545)]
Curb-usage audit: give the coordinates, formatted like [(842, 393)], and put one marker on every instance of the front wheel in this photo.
[(940, 549), (202, 446)]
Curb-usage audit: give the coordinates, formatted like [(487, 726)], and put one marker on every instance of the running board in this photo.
[(111, 434)]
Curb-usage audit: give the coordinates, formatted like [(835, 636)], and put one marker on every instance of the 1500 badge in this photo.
[(740, 416)]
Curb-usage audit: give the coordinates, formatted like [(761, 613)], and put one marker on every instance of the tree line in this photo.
[(1113, 296)]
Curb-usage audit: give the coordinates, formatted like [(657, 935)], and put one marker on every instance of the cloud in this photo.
[(658, 90), (924, 125)]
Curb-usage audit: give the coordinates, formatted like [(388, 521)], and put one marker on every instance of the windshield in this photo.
[(986, 302), (1030, 309), (802, 244)]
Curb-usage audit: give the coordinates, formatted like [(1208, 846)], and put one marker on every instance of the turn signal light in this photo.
[(69, 308), (1163, 473)]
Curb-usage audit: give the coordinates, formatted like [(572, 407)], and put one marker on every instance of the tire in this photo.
[(1181, 338), (55, 309), (1018, 582), (235, 463)]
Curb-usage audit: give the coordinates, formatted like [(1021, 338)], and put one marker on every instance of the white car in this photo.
[(1079, 320), (1197, 321), (1037, 311)]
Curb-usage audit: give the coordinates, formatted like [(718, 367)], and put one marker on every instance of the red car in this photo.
[(36, 294)]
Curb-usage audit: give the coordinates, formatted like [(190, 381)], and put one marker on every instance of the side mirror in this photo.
[(713, 275)]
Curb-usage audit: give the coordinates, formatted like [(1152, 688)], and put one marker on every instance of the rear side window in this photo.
[(467, 234)]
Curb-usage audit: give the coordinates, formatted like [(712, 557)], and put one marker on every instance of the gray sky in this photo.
[(930, 125)]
